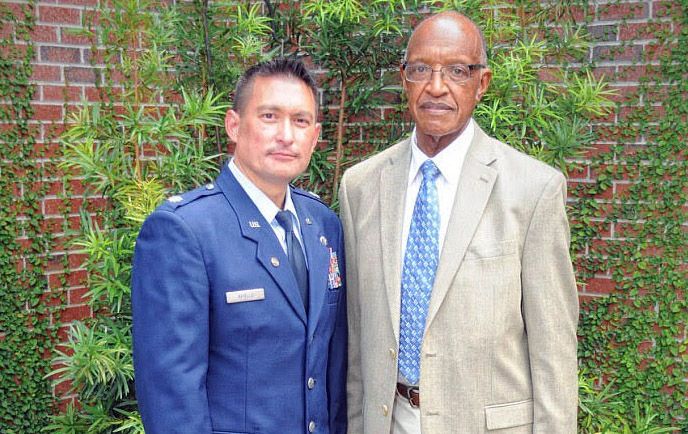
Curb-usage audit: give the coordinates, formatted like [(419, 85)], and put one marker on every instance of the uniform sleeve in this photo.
[(170, 327), (337, 360), (354, 384), (550, 310)]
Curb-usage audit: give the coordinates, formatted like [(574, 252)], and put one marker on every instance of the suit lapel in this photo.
[(318, 258), (269, 252), (393, 181), (474, 189)]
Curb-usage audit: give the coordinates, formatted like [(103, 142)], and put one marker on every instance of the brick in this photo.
[(632, 31), (46, 150), (63, 388), (44, 34), (658, 51), (617, 52), (59, 15), (72, 279), (604, 33), (60, 54), (61, 93), (621, 11), (46, 73), (78, 296), (75, 74), (78, 2), (665, 9), (76, 187), (58, 206), (68, 36), (599, 285), (45, 112)]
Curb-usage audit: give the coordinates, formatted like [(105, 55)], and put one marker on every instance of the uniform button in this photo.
[(274, 261), (393, 353), (311, 426), (311, 383), (385, 410)]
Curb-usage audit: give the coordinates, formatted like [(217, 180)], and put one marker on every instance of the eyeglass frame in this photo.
[(470, 67)]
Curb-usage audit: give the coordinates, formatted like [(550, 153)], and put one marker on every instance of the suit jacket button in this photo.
[(385, 410), (274, 261), (311, 426), (311, 383), (393, 353)]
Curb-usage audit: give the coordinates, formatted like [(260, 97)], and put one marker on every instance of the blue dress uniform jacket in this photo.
[(257, 364)]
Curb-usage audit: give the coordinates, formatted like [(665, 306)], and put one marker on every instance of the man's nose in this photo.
[(286, 131), (437, 85)]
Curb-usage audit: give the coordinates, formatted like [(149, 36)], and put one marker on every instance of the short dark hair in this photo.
[(281, 66)]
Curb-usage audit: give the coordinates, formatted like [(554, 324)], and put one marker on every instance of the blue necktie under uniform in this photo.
[(297, 260), (418, 272)]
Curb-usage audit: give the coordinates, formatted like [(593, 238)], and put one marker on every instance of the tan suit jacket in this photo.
[(499, 351)]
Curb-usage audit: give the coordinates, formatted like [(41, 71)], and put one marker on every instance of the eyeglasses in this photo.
[(421, 73)]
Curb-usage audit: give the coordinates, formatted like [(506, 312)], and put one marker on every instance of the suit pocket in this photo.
[(230, 432), (483, 250), (509, 415), (333, 297)]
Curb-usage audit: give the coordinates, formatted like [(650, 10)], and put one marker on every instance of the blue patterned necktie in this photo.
[(418, 273), (295, 254)]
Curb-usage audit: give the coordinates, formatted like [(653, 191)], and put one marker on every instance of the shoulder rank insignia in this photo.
[(175, 199)]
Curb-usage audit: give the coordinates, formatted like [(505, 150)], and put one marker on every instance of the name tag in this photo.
[(245, 295)]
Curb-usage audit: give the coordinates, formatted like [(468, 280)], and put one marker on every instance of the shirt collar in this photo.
[(266, 207), (449, 160)]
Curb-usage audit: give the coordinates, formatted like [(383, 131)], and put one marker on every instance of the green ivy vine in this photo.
[(635, 338), (26, 336)]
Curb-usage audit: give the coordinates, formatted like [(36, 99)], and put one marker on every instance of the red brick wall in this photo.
[(63, 76)]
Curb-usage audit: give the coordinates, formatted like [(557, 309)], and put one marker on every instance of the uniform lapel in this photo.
[(269, 252), (317, 254), (474, 189), (393, 181)]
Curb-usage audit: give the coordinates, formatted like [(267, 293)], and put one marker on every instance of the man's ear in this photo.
[(318, 127), (485, 79), (401, 77), (232, 125)]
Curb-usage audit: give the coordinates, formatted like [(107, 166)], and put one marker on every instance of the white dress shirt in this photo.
[(449, 161), (268, 209)]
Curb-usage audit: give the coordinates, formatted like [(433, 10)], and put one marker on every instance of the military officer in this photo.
[(239, 305)]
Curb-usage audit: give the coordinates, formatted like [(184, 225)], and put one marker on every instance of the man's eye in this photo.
[(302, 121), (421, 69), (268, 116), (457, 71)]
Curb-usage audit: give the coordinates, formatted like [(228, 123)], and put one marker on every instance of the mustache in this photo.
[(436, 105)]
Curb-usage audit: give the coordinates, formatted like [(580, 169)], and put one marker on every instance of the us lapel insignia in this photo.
[(254, 224), (334, 279)]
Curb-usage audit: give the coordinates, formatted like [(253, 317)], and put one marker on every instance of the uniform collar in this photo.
[(266, 207)]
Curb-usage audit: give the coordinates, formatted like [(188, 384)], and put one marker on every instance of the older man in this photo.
[(238, 302), (462, 298)]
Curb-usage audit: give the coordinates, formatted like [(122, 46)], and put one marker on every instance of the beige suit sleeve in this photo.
[(354, 384), (550, 310)]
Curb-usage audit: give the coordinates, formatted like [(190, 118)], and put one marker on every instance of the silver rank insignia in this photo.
[(175, 199)]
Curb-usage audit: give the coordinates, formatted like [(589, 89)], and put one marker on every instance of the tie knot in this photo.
[(284, 220), (430, 171)]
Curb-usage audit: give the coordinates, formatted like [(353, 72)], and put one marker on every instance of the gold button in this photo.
[(385, 410), (274, 261), (393, 353)]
